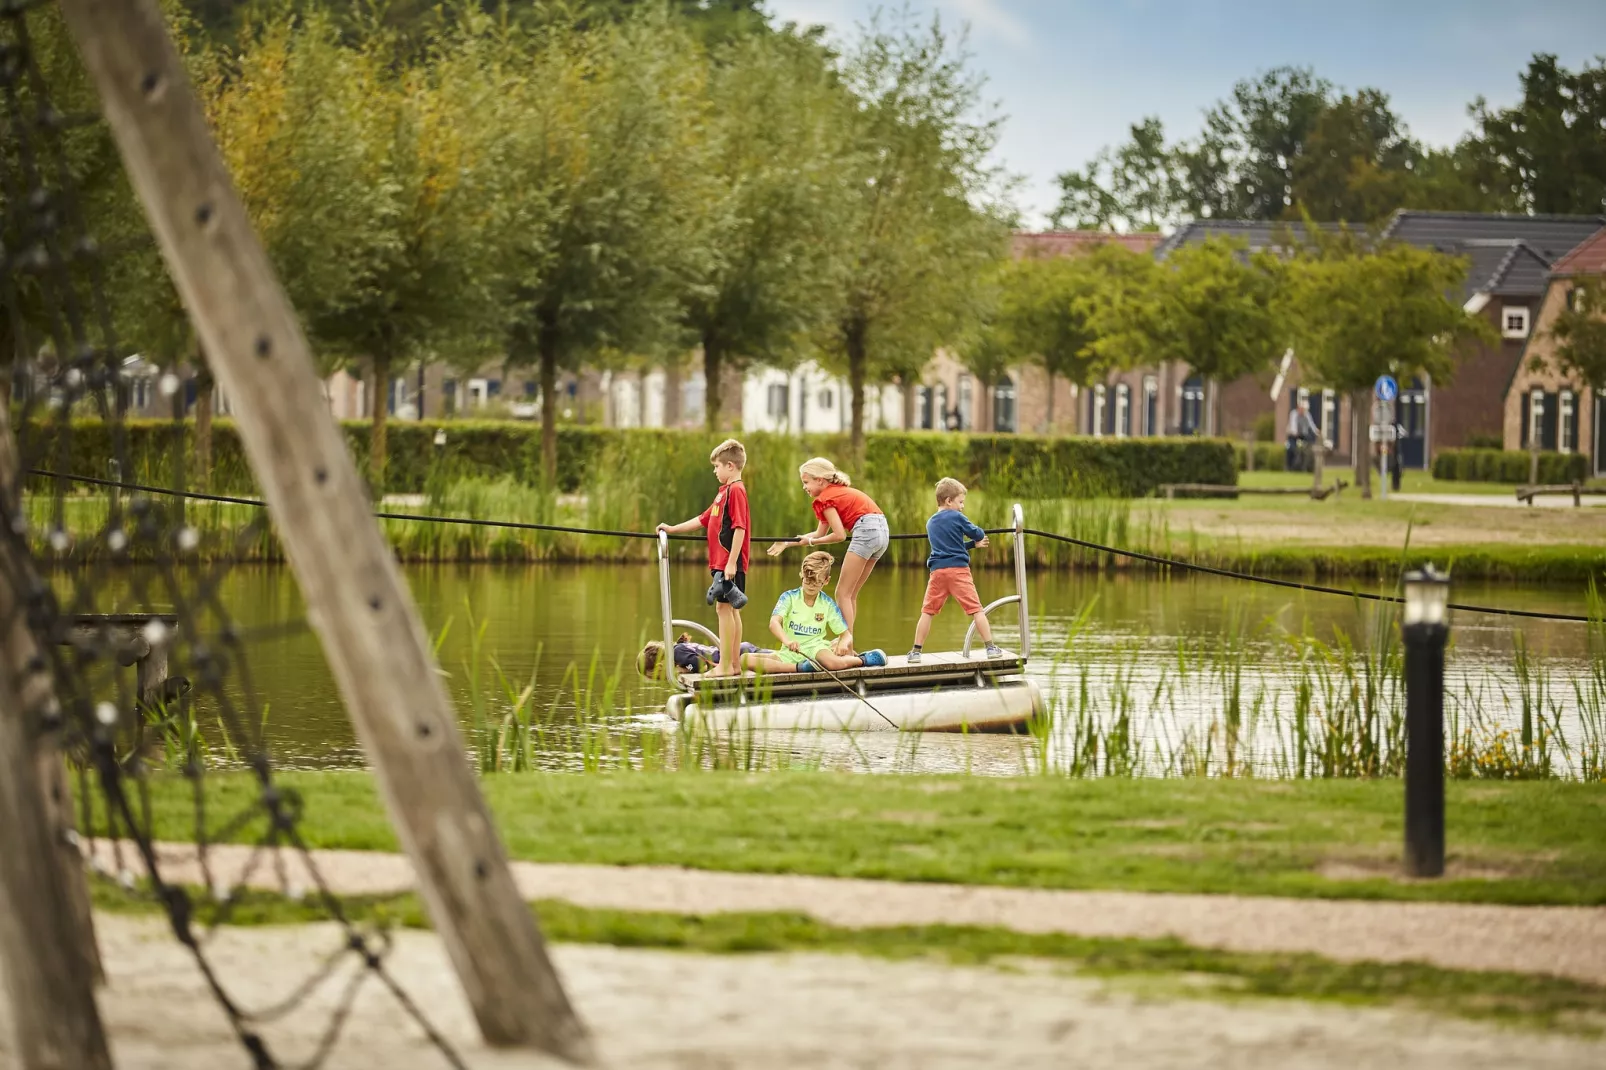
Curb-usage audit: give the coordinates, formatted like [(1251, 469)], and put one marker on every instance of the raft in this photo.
[(947, 691)]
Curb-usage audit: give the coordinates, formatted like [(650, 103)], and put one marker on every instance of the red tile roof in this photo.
[(1586, 258), (1075, 242)]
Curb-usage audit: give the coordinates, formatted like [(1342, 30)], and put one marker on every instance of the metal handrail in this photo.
[(970, 632), (677, 622), (669, 613)]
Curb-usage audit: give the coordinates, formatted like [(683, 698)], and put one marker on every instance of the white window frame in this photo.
[(1536, 419), (1329, 417), (1151, 389), (1098, 410), (1566, 414), (1510, 313), (1123, 410)]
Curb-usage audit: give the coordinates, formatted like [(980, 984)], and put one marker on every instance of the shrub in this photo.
[(664, 471), (1507, 466), (1269, 457)]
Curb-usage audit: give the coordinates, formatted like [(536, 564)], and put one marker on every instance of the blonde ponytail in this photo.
[(820, 468)]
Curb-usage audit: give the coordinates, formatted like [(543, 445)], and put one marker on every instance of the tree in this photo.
[(1356, 161), (916, 239), (1132, 188), (1362, 312), (1210, 306), (610, 158), (1550, 149), (1579, 333), (293, 119), (1049, 311), (776, 160)]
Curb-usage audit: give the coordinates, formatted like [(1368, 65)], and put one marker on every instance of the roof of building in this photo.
[(1586, 258), (1504, 268), (1073, 242), (1551, 236), (1258, 234)]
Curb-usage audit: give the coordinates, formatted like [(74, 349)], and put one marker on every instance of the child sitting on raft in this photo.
[(803, 620), (689, 656)]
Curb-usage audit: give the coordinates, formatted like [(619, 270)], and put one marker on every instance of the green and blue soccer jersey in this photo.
[(812, 626)]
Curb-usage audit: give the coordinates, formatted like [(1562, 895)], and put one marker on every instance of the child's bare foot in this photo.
[(720, 671)]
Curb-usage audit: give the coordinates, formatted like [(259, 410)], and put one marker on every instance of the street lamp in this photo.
[(1425, 627)]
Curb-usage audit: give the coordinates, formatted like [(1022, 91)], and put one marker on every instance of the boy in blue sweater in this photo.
[(952, 536)]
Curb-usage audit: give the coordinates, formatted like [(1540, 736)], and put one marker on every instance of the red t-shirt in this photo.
[(849, 504), (728, 513)]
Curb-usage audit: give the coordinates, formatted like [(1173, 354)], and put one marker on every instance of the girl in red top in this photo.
[(847, 515)]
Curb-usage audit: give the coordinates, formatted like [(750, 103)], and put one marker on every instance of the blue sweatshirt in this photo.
[(952, 535)]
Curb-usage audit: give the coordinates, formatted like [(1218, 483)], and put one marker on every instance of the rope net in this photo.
[(113, 587)]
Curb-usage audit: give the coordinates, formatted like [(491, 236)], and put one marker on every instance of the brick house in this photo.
[(1508, 257), (1541, 405)]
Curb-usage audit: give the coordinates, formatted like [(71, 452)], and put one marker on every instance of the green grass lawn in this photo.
[(1414, 481), (1541, 842), (1163, 967)]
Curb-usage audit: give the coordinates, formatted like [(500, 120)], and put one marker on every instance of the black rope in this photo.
[(1315, 588), (1139, 555)]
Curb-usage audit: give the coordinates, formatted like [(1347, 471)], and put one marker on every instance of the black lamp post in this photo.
[(1425, 626)]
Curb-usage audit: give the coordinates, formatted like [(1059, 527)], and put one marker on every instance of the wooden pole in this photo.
[(356, 600), (47, 942)]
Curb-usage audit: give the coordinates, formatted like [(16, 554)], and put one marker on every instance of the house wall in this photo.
[(1525, 378), (1473, 401)]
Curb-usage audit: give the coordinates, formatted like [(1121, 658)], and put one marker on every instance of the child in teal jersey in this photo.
[(804, 620)]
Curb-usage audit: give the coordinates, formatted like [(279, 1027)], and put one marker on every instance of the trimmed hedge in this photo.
[(1508, 466), (1025, 465)]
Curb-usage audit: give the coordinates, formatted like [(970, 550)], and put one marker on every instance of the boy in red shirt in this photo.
[(727, 523)]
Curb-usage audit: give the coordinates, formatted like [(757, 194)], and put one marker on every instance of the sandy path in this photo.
[(657, 1009), (1564, 941)]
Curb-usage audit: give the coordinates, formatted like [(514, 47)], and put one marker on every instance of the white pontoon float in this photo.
[(945, 692)]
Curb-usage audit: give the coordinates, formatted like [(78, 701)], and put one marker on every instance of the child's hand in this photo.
[(776, 547), (982, 544), (791, 644), (663, 527)]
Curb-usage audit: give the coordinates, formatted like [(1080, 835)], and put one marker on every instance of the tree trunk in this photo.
[(547, 344), (204, 388), (377, 441), (713, 366), (1360, 442), (672, 391), (858, 361), (1048, 422), (641, 396), (911, 397)]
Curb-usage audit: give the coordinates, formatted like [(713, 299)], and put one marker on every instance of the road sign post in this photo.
[(1383, 427)]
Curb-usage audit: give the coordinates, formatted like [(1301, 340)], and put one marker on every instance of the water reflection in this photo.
[(1155, 647)]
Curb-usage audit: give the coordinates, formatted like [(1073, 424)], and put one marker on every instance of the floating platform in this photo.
[(944, 692)]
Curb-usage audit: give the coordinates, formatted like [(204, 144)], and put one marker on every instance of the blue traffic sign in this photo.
[(1386, 388)]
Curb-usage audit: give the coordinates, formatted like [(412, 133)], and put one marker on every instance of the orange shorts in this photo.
[(953, 583)]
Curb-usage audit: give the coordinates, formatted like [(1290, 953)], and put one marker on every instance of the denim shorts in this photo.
[(869, 539)]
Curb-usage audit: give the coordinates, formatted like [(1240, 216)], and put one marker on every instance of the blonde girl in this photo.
[(844, 514), (803, 621)]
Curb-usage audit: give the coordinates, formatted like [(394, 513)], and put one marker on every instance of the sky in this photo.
[(1073, 75)]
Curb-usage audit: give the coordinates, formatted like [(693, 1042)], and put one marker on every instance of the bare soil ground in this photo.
[(657, 1009), (1563, 941)]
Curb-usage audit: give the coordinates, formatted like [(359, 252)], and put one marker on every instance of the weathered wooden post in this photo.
[(356, 601), (47, 942)]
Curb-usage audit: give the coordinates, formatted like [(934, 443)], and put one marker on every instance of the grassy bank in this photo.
[(1351, 540), (1166, 967), (1535, 842)]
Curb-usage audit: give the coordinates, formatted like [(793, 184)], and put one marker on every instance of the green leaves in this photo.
[(1364, 311), (1579, 334)]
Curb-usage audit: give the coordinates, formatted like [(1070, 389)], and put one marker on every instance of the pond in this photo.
[(1142, 673)]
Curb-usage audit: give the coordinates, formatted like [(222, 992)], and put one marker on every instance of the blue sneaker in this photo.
[(806, 666), (874, 659)]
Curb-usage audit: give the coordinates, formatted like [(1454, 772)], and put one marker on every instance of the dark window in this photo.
[(923, 402), (1004, 405), (529, 388), (778, 400), (493, 388), (1123, 410), (1193, 405)]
